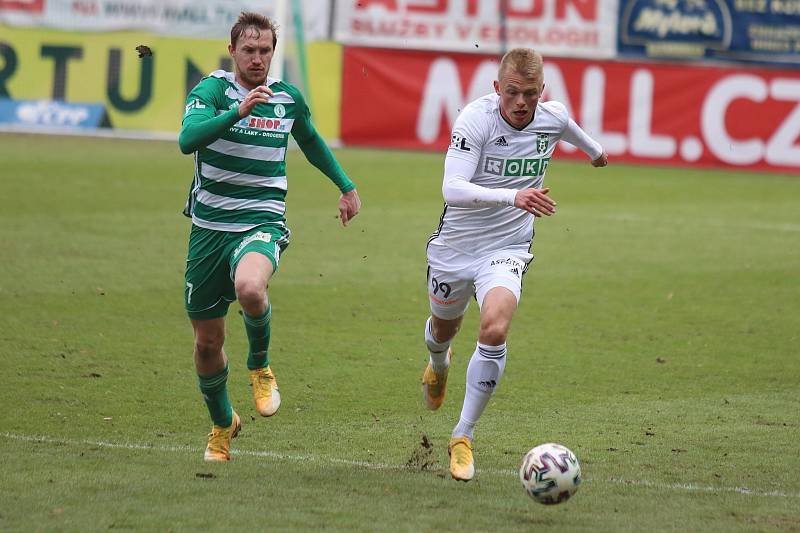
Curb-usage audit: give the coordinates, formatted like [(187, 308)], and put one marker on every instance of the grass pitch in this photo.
[(657, 338)]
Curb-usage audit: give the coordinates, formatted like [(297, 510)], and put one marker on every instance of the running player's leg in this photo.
[(438, 335), (212, 371), (488, 361), (498, 286), (449, 293), (212, 368), (208, 293), (253, 263), (251, 280)]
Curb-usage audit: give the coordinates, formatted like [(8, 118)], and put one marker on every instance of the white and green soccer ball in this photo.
[(550, 473)]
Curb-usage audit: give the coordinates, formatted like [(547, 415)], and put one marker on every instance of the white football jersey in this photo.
[(508, 158)]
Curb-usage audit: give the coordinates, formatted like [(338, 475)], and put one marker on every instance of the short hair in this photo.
[(256, 21), (524, 61)]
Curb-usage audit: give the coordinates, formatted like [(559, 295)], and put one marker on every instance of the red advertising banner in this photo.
[(32, 6), (647, 113)]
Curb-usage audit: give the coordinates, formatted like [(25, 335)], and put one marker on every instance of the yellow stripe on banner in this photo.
[(106, 68), (325, 78)]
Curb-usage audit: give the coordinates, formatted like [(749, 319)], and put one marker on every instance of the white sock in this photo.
[(483, 374), (437, 350)]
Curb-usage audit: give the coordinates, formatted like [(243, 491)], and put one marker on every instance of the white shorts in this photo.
[(454, 278)]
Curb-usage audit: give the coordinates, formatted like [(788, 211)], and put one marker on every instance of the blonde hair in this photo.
[(524, 61)]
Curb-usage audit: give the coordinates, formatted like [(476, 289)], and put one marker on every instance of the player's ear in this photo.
[(497, 86), (231, 49)]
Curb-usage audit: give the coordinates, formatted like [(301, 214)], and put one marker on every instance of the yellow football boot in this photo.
[(462, 465), (219, 441), (434, 386), (265, 391)]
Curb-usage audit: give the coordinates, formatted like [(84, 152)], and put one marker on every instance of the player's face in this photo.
[(518, 97), (252, 56)]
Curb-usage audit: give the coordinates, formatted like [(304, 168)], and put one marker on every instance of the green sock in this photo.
[(215, 393), (258, 331)]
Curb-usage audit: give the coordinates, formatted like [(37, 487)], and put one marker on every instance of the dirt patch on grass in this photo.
[(422, 456)]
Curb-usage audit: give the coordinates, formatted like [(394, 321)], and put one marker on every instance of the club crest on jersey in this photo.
[(280, 111), (542, 142)]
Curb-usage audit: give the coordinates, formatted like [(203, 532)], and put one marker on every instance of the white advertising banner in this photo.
[(211, 19), (572, 28)]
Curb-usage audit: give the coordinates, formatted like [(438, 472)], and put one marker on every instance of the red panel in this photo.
[(34, 6), (651, 113)]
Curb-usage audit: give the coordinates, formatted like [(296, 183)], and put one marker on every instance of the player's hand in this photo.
[(349, 204), (259, 95), (535, 202), (601, 161)]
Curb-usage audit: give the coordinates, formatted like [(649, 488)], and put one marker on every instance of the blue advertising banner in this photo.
[(761, 31), (52, 114)]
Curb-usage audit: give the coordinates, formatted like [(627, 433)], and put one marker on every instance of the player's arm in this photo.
[(198, 131), (574, 135), (461, 162), (459, 191), (316, 150), (201, 125)]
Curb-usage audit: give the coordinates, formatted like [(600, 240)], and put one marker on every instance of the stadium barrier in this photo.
[(409, 67)]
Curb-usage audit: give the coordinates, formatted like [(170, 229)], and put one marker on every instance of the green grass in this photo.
[(657, 337)]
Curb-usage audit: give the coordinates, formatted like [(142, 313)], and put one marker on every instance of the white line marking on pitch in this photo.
[(381, 466)]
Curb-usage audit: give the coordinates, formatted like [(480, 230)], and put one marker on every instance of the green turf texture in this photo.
[(657, 338)]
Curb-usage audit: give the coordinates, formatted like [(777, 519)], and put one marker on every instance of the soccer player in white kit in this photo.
[(493, 190)]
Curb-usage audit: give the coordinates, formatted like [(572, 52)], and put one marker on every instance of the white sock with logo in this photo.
[(437, 350), (483, 374)]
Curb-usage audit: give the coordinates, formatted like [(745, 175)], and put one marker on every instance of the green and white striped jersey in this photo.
[(240, 178)]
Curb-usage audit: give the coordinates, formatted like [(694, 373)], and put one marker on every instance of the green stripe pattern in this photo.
[(240, 178)]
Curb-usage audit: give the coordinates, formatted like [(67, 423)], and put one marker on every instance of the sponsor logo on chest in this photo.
[(263, 123), (500, 166)]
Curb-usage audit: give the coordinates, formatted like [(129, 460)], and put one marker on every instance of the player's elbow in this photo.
[(307, 144), (454, 199), (448, 194), (185, 146)]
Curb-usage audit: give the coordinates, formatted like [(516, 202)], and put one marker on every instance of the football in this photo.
[(550, 473)]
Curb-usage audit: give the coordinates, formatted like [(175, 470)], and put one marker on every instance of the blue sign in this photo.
[(52, 114), (761, 31)]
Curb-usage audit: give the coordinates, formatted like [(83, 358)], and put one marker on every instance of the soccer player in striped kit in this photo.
[(493, 190), (237, 124)]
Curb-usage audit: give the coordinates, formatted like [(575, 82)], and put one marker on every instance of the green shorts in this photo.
[(211, 263)]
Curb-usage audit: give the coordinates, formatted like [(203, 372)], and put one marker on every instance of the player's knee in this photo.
[(209, 345), (252, 296), (493, 333)]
